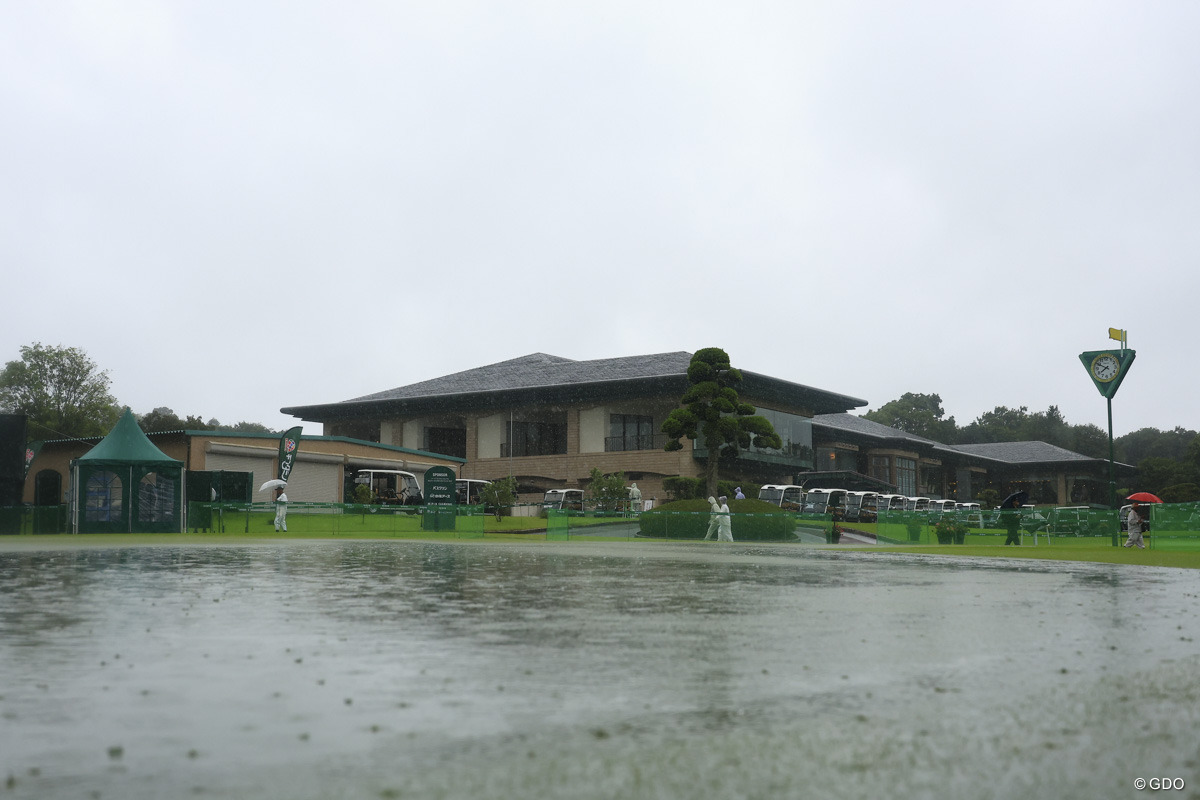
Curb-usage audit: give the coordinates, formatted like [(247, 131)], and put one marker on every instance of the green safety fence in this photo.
[(34, 519), (960, 526), (1174, 526), (558, 524), (341, 519)]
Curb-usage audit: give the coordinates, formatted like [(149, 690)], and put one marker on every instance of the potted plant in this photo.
[(950, 531), (834, 535)]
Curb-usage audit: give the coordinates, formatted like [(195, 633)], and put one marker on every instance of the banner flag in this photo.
[(31, 452), (1116, 333), (289, 443)]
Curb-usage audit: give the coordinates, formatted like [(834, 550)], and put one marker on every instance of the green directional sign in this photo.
[(440, 498), (1107, 368)]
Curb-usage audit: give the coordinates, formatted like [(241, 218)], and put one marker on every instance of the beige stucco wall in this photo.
[(489, 436), (593, 427)]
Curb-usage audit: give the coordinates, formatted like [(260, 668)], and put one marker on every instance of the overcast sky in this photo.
[(239, 206)]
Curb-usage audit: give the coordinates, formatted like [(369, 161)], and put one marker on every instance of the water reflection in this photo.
[(217, 666)]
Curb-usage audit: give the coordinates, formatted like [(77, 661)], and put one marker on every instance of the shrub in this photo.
[(681, 488), (950, 531), (753, 520)]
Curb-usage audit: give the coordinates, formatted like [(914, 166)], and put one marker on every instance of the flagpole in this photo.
[(1112, 481)]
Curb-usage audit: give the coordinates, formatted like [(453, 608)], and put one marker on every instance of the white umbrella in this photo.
[(272, 484)]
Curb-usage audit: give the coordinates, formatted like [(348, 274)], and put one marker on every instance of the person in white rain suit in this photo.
[(1136, 526), (280, 510), (635, 499), (714, 521), (725, 522)]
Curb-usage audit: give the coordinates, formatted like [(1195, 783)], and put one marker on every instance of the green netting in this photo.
[(470, 526), (344, 519), (558, 524), (1174, 526)]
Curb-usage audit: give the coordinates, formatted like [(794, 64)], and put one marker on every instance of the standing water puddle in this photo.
[(638, 669)]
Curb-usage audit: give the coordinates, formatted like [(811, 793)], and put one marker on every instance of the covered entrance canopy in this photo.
[(125, 485), (843, 479)]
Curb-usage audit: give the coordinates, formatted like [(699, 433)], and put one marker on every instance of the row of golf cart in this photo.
[(852, 506)]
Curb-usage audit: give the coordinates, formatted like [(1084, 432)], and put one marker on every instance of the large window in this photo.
[(796, 433), (156, 498), (535, 439), (631, 432), (881, 468), (446, 441), (794, 430), (102, 501), (906, 476)]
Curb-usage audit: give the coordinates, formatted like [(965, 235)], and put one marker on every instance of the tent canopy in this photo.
[(126, 444), (126, 484)]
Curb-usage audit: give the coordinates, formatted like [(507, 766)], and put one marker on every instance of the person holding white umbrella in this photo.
[(280, 509), (280, 502)]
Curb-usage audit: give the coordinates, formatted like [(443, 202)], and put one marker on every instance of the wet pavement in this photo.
[(587, 669)]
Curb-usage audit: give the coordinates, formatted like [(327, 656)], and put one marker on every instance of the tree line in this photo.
[(1165, 460), (65, 395)]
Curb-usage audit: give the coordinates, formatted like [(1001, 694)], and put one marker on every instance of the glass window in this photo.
[(796, 433), (629, 432), (446, 441), (906, 476), (536, 439), (156, 498), (881, 468), (103, 501)]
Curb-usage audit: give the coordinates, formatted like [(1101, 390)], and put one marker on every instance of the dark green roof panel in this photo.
[(127, 444)]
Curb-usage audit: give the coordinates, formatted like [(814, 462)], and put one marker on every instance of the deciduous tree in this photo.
[(918, 414), (61, 391)]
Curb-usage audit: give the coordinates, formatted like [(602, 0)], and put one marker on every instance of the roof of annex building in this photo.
[(265, 437), (542, 378), (1012, 453), (1024, 452), (860, 426)]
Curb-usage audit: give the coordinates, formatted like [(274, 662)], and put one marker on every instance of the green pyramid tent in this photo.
[(125, 484)]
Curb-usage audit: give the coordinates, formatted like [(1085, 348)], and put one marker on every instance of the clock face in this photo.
[(1105, 367)]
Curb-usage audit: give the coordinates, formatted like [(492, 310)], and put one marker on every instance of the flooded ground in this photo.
[(588, 669)]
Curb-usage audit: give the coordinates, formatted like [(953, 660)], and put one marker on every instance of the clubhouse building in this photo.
[(549, 421)]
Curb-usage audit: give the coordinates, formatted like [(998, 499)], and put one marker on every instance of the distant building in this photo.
[(854, 447), (549, 420), (324, 464)]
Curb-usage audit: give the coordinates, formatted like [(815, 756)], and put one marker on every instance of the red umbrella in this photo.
[(1143, 497)]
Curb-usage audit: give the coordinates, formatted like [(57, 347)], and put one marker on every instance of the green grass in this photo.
[(1085, 551), (1166, 550)]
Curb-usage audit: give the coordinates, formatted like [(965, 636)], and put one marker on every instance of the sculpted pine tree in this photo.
[(712, 410)]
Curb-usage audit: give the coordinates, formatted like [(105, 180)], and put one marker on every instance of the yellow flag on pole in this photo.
[(1116, 333)]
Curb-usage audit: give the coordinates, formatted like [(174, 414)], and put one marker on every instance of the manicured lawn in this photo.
[(1083, 550)]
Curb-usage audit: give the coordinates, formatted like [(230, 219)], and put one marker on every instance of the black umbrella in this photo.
[(1015, 500)]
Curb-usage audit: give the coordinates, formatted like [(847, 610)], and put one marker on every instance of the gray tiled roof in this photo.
[(539, 370), (1023, 452), (1008, 452), (865, 427)]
